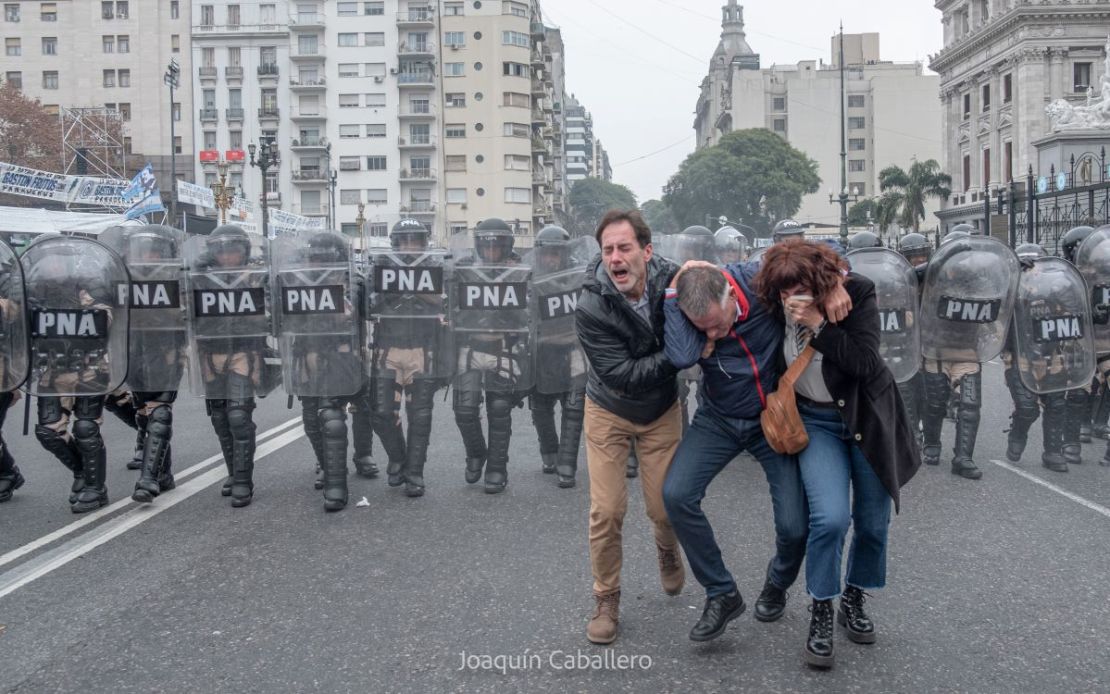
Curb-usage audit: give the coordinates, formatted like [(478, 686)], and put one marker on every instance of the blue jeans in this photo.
[(832, 466), (711, 442)]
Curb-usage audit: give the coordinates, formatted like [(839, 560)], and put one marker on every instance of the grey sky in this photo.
[(642, 92)]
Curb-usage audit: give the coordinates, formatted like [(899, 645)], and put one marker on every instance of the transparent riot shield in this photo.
[(489, 308), (407, 307), (1053, 336), (968, 300), (78, 325), (896, 294), (13, 321), (158, 340), (558, 273), (228, 284), (730, 245), (316, 314), (1093, 261)]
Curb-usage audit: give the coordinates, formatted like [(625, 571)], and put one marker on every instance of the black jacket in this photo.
[(629, 374), (864, 389)]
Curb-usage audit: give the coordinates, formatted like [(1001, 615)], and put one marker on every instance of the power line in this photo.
[(746, 30), (700, 60), (658, 151)]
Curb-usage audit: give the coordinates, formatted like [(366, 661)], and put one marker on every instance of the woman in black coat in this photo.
[(861, 449)]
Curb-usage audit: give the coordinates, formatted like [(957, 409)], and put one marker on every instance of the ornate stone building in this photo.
[(1003, 62), (714, 109)]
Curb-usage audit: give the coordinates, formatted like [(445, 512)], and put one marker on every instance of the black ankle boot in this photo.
[(474, 469), (548, 461), (1015, 446), (719, 611), (853, 619), (771, 603), (393, 473), (819, 645), (9, 482)]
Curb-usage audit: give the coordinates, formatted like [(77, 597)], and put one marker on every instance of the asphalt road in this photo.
[(993, 586)]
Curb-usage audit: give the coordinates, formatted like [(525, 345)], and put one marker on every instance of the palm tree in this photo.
[(905, 194)]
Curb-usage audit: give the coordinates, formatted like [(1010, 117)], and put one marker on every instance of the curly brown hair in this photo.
[(813, 265)]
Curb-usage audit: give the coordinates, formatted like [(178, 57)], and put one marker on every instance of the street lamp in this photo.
[(333, 178), (222, 193), (263, 157), (171, 78)]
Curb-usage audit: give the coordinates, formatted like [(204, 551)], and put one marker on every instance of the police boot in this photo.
[(94, 493), (1025, 413), (542, 406), (333, 425), (570, 439), (136, 462), (1100, 428), (1078, 411), (241, 423), (157, 444), (932, 420), (10, 477), (362, 438), (1053, 427), (310, 418), (419, 412), (388, 426), (217, 412), (465, 404), (967, 428), (908, 391), (499, 412), (166, 481)]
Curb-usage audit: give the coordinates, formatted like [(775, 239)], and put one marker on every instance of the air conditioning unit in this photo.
[(462, 206), (378, 79), (454, 47), (393, 71)]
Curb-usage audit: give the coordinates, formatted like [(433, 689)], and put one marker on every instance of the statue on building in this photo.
[(1094, 116)]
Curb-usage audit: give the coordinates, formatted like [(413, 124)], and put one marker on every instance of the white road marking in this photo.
[(1097, 508), (94, 516), (49, 561)]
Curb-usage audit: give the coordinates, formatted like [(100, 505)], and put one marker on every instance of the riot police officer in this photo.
[(490, 323), (787, 229), (13, 358), (864, 239), (731, 246), (410, 357), (559, 266), (229, 323), (79, 353), (157, 346)]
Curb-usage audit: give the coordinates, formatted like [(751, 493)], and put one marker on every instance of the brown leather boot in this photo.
[(603, 625), (671, 572)]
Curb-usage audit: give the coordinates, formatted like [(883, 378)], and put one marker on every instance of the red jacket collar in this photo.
[(741, 298)]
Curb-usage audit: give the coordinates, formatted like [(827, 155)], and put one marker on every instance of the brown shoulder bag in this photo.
[(782, 425)]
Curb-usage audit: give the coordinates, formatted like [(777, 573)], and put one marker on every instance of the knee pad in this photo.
[(333, 423), (160, 422), (48, 437), (499, 406), (970, 387), (50, 411), (466, 400), (239, 417), (85, 430)]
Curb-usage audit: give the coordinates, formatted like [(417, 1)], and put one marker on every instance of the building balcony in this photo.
[(421, 142), (539, 177), (304, 143), (428, 112), (303, 21), (234, 114), (208, 74), (538, 117), (209, 115), (318, 84), (273, 197), (319, 210), (415, 79), (310, 176), (538, 89), (539, 146), (417, 18), (538, 32), (307, 53), (267, 71), (537, 58), (420, 50), (233, 73), (269, 113), (309, 113), (419, 207), (418, 175)]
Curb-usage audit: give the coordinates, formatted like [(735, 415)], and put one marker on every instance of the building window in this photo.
[(1007, 89), (121, 9), (175, 43), (375, 130), (779, 125), (12, 47), (517, 9), (375, 69), (48, 12), (375, 100), (125, 112), (514, 38), (373, 38), (50, 79), (857, 165), (967, 106), (453, 69), (15, 79), (123, 44), (376, 196), (857, 123), (516, 99), (346, 9), (233, 15), (347, 40), (967, 172), (516, 130), (986, 167), (1007, 162), (177, 144), (778, 104), (349, 132), (175, 9), (523, 195), (348, 100), (235, 139), (856, 101), (857, 144), (518, 162), (350, 163), (456, 100), (454, 130), (860, 189), (1082, 76), (109, 79), (420, 105), (379, 229), (986, 98), (373, 8), (455, 163), (108, 44), (207, 15), (456, 196), (514, 69), (350, 197), (267, 14), (453, 9), (375, 163), (11, 12), (125, 78), (454, 38), (348, 69)]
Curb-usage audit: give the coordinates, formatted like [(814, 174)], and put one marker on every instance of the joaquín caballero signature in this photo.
[(557, 660)]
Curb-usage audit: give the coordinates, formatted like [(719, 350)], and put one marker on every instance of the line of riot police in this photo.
[(117, 323)]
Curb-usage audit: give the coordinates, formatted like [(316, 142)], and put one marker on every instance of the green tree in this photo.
[(29, 136), (659, 217), (591, 198), (751, 176), (908, 192), (858, 213)]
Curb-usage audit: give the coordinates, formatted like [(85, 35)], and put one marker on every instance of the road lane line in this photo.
[(94, 516), (40, 566), (1097, 508)]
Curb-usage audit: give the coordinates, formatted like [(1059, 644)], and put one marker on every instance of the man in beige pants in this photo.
[(631, 395)]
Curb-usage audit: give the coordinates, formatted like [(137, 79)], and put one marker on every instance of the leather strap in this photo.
[(795, 370)]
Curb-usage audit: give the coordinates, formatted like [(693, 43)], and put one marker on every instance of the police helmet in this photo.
[(407, 229), (864, 239), (787, 229), (327, 247), (1029, 250), (490, 234), (728, 240), (228, 238), (1070, 242)]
